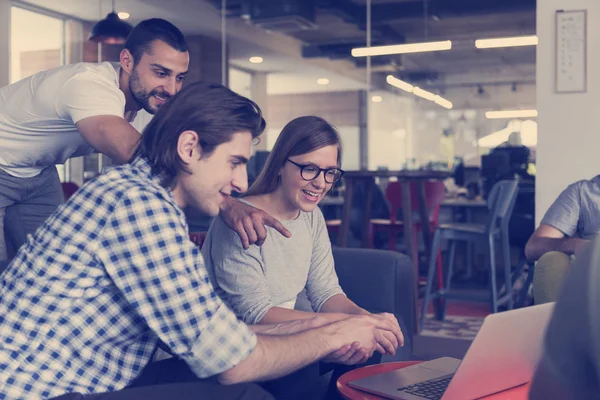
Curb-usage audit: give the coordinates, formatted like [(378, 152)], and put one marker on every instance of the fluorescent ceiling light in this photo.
[(439, 100), (123, 15), (511, 114), (507, 42), (323, 81), (417, 91), (376, 99), (400, 84), (256, 60), (401, 49)]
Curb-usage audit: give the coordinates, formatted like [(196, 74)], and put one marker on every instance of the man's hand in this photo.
[(368, 331), (390, 339), (249, 222), (349, 354)]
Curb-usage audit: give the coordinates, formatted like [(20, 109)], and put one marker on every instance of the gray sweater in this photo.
[(253, 281)]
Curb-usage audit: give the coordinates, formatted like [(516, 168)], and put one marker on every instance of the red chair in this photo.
[(69, 189), (198, 238), (435, 192)]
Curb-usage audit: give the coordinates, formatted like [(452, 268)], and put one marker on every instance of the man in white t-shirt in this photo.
[(75, 110)]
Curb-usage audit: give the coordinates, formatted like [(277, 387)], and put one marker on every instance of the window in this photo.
[(37, 44)]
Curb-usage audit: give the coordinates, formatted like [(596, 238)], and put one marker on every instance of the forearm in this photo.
[(110, 135), (341, 304), (120, 148), (279, 314), (538, 246), (276, 356)]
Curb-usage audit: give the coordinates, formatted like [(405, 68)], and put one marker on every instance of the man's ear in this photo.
[(126, 60), (187, 147)]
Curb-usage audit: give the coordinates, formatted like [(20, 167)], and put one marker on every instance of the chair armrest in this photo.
[(379, 281)]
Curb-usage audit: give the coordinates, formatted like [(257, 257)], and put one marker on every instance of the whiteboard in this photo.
[(571, 51)]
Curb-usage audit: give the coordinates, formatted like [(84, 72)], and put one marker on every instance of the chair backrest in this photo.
[(69, 188), (435, 192), (501, 202)]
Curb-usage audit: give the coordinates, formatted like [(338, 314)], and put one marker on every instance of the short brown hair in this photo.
[(211, 110)]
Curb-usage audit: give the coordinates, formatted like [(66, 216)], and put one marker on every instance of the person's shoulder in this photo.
[(586, 186), (132, 185), (223, 234), (104, 72), (594, 182), (581, 184), (315, 218)]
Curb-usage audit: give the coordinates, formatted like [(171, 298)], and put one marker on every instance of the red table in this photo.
[(517, 393)]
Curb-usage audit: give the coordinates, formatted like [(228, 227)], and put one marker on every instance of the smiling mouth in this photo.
[(161, 99), (312, 195)]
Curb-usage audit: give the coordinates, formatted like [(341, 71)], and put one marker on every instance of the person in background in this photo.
[(262, 285), (568, 226), (75, 110)]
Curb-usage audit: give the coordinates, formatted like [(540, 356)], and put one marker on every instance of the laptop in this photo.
[(503, 355)]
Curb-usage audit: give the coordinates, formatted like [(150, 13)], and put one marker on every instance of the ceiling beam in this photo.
[(392, 11)]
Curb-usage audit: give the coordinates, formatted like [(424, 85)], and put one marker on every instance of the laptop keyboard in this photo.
[(432, 390)]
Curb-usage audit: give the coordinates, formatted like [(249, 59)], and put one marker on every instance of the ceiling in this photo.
[(334, 27), (340, 25)]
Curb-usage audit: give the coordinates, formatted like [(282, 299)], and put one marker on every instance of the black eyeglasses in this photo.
[(309, 172)]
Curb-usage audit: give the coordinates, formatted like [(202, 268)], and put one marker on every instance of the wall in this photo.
[(338, 108), (568, 124), (390, 131), (5, 27), (205, 60)]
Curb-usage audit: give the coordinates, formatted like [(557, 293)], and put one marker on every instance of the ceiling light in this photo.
[(401, 49), (123, 15), (323, 81), (400, 84), (256, 60), (111, 30), (439, 100), (376, 99), (507, 42), (511, 114), (417, 91)]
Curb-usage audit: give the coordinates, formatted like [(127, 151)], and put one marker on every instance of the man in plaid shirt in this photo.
[(112, 273)]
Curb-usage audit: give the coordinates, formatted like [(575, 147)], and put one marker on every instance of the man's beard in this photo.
[(141, 96)]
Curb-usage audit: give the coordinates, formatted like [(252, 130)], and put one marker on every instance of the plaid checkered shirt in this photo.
[(87, 298)]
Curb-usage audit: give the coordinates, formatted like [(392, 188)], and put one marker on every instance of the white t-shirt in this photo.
[(38, 115)]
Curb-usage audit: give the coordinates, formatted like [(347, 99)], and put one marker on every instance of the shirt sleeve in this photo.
[(568, 348), (147, 254), (89, 94), (564, 213), (322, 281), (239, 273)]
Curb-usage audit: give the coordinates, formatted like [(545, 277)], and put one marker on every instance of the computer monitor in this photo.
[(495, 165)]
